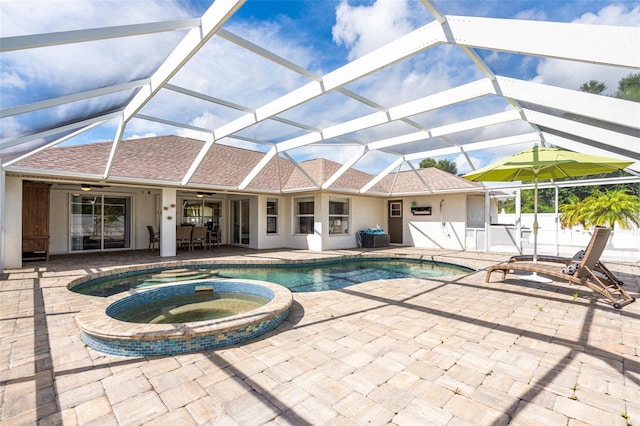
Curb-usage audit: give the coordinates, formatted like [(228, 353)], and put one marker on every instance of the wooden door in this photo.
[(35, 220)]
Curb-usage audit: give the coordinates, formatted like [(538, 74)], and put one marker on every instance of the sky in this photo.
[(317, 35)]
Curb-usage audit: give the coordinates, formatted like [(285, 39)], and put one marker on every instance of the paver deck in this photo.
[(445, 351)]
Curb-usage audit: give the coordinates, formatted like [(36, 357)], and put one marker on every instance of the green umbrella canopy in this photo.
[(546, 163)]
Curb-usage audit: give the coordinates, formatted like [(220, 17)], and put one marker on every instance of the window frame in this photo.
[(101, 224), (302, 219), (339, 218), (201, 219), (273, 217)]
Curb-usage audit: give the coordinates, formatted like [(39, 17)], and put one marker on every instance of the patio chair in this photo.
[(199, 237), (183, 237), (581, 272), (154, 237), (214, 236)]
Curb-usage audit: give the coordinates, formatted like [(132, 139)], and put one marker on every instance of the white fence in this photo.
[(623, 244)]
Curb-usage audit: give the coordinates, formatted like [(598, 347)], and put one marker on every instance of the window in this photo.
[(240, 224), (100, 222), (200, 212), (395, 209), (338, 216), (272, 216), (304, 215)]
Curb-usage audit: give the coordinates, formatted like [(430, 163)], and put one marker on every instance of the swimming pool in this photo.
[(297, 277)]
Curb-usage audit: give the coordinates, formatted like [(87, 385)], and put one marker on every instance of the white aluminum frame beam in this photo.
[(475, 146), (600, 107), (54, 143), (581, 130), (405, 46), (80, 96), (445, 98), (346, 166), (57, 130), (461, 126), (580, 147), (8, 44), (212, 20), (492, 143), (395, 164), (572, 41)]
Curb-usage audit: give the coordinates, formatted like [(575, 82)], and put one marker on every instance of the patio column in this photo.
[(168, 223), (557, 223), (487, 220), (518, 205), (1, 218)]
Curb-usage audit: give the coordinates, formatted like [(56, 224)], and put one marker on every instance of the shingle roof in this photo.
[(167, 158), (425, 180)]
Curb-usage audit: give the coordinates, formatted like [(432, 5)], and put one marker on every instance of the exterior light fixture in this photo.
[(200, 194), (85, 187)]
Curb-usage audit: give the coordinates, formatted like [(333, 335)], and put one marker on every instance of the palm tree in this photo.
[(572, 213), (612, 207)]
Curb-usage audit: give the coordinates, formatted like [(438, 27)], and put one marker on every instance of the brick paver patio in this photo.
[(446, 351)]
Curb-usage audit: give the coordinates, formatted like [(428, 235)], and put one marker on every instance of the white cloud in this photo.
[(532, 15), (64, 69), (572, 75), (362, 29), (615, 14)]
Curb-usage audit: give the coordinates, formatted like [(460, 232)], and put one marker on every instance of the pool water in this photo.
[(192, 307), (321, 276)]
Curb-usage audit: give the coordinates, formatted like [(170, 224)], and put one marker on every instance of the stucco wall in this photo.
[(270, 241), (365, 213), (444, 228), (143, 211)]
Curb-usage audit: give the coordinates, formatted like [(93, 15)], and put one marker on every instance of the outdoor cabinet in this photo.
[(375, 240), (35, 220)]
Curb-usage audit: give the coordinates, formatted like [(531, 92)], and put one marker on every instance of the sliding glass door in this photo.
[(100, 222), (240, 222)]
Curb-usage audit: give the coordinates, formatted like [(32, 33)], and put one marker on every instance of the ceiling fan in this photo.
[(81, 186), (89, 187)]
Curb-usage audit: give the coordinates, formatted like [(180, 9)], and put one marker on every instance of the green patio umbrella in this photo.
[(545, 163)]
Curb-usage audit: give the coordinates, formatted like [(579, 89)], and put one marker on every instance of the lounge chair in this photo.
[(584, 272), (601, 268)]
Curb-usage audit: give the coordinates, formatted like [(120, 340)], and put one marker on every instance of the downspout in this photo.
[(557, 224), (518, 206), (487, 220)]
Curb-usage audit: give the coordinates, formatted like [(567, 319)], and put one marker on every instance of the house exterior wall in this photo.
[(143, 212), (444, 229), (148, 209), (271, 241), (365, 213), (300, 241)]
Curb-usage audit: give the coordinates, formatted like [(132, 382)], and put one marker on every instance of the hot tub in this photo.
[(103, 329)]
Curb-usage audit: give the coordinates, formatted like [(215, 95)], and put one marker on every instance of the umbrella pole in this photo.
[(535, 218), (534, 276)]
